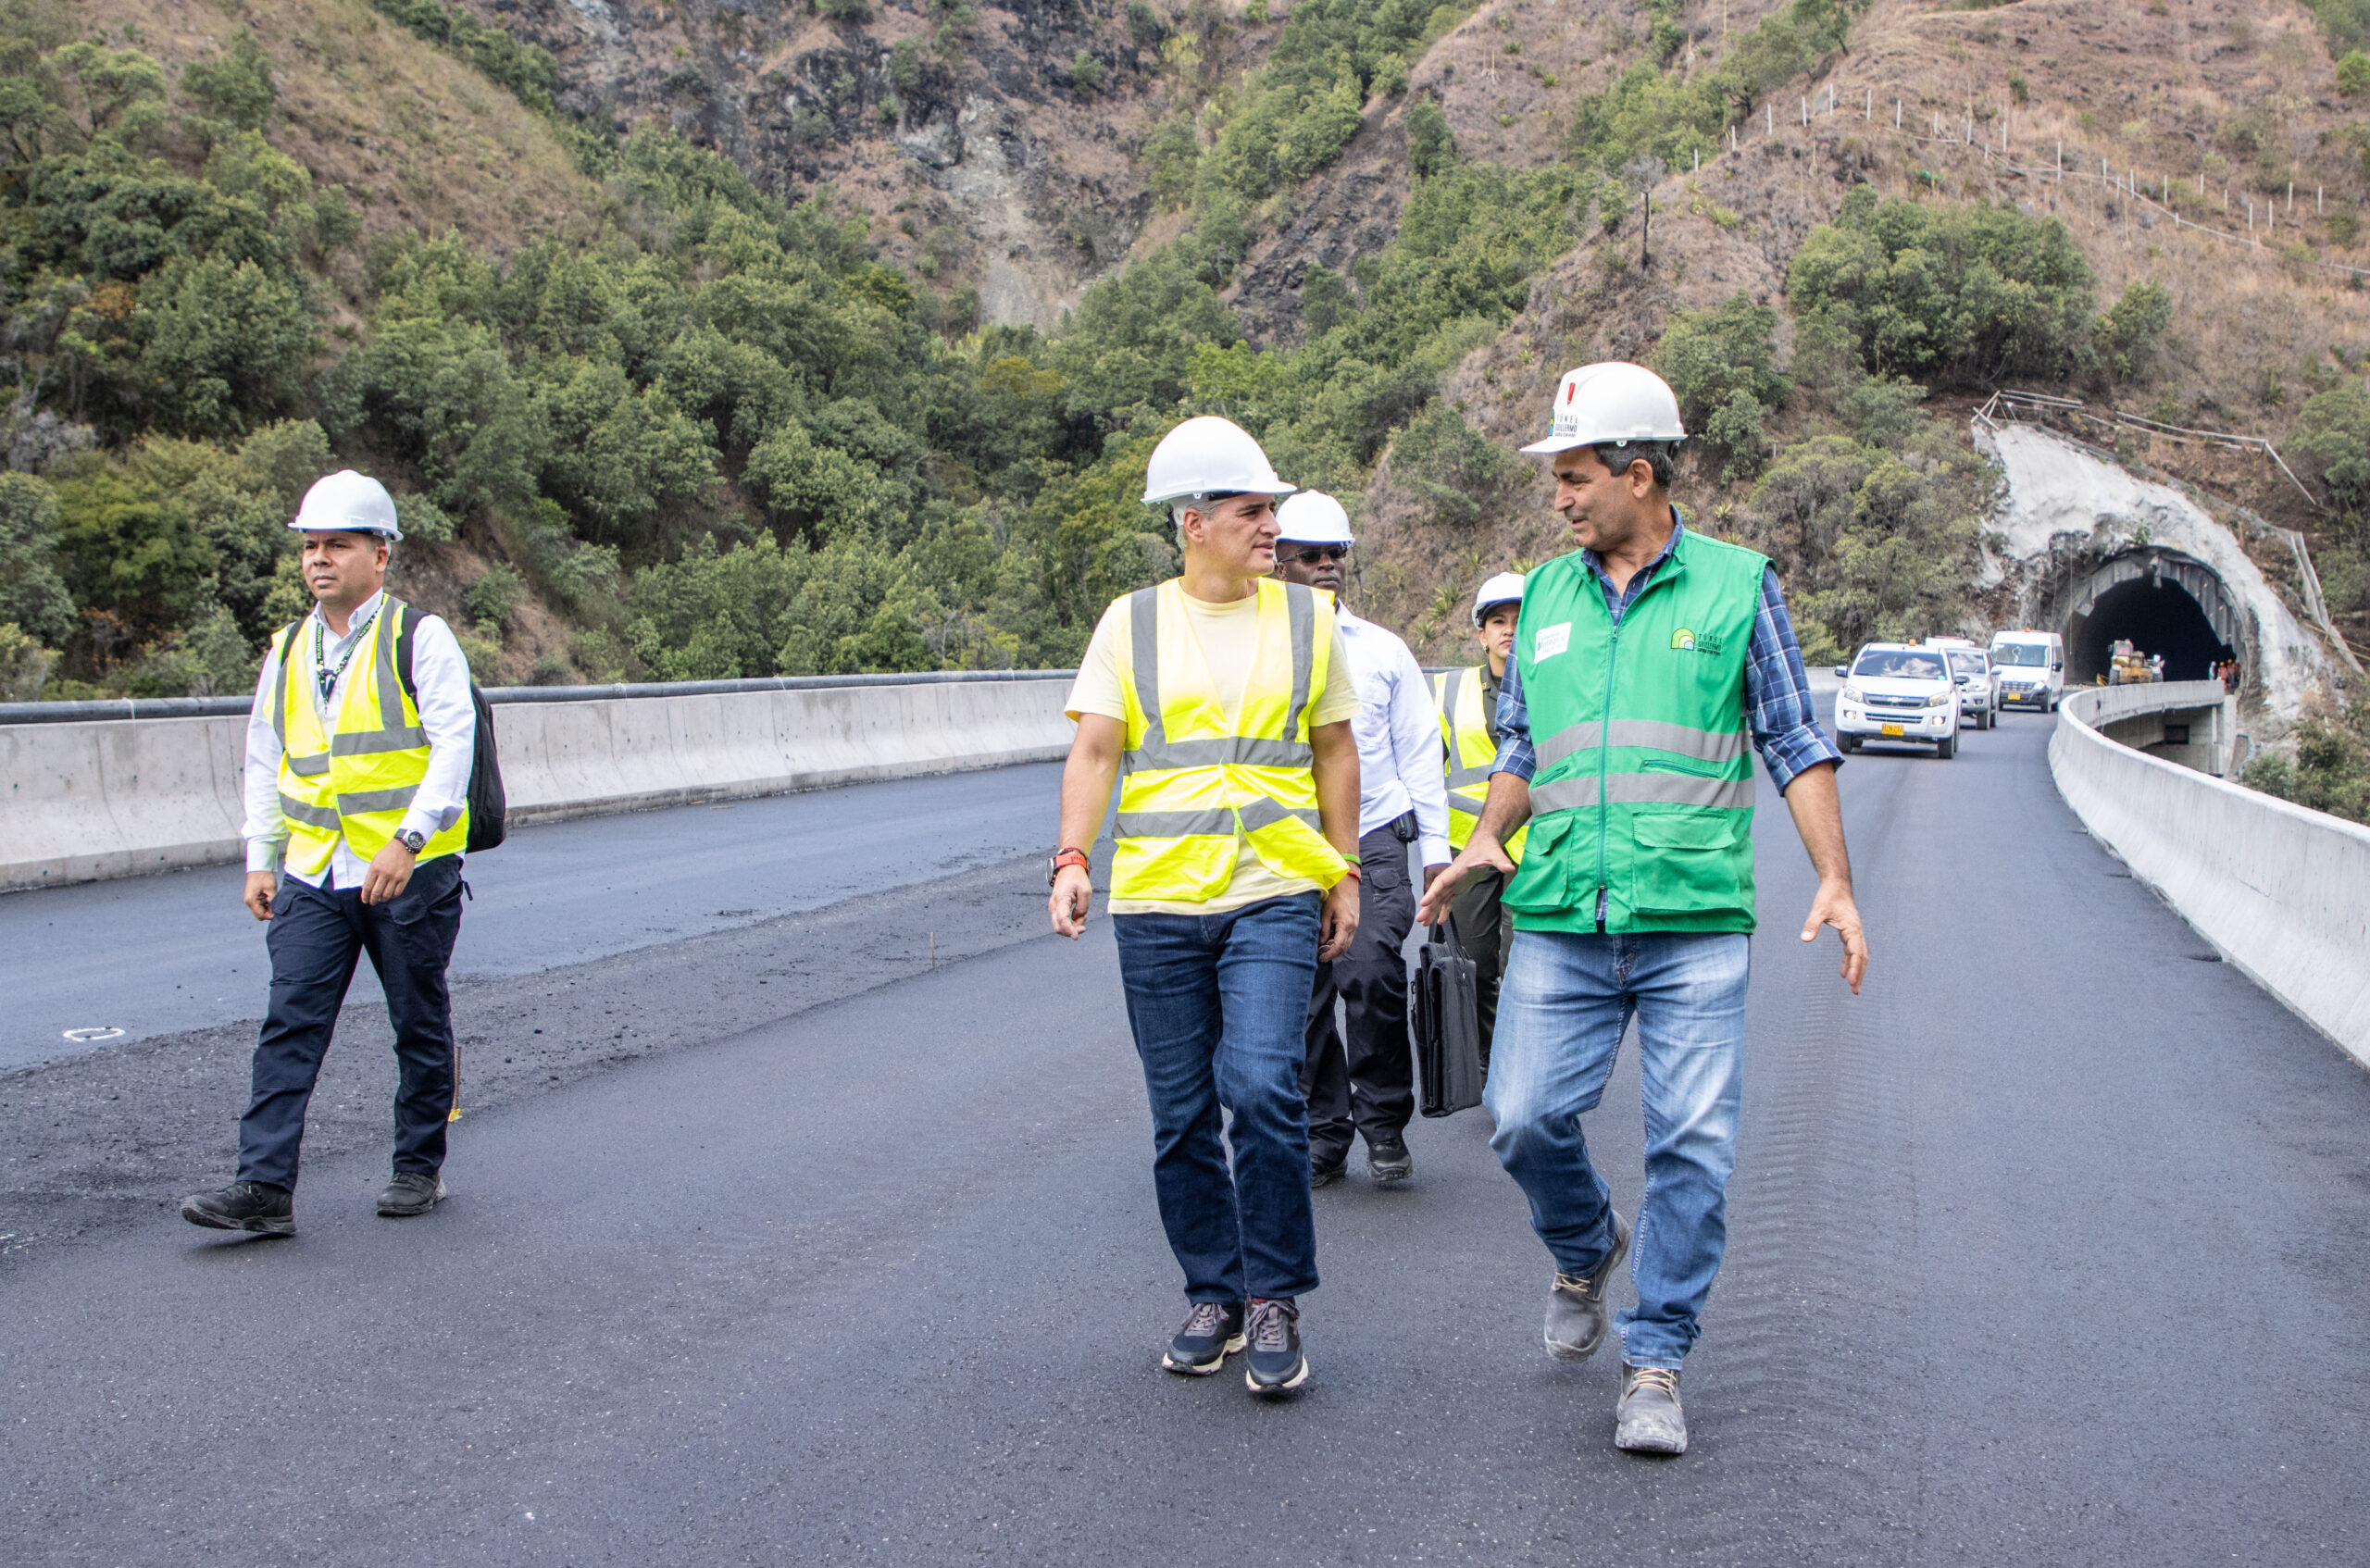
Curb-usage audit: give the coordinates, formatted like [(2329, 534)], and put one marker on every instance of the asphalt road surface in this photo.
[(2046, 1250), (154, 955)]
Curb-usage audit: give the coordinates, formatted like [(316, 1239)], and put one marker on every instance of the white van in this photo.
[(2032, 669), (1898, 691)]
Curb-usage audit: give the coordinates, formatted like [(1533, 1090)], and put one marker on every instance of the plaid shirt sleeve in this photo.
[(1779, 707), (1514, 754)]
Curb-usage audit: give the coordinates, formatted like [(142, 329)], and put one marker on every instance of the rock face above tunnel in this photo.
[(2065, 513)]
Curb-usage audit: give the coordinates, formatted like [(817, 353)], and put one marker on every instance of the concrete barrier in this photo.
[(85, 798), (2282, 892)]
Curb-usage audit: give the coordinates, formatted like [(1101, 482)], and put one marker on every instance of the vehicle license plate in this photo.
[(1892, 729)]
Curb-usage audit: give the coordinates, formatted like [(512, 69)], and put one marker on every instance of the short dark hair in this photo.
[(1662, 455)]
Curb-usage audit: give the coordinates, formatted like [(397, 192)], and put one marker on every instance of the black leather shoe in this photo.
[(1388, 1159), (1213, 1331), (1324, 1173), (1275, 1365), (252, 1206), (411, 1192)]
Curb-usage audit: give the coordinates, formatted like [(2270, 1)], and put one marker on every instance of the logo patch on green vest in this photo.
[(1684, 640)]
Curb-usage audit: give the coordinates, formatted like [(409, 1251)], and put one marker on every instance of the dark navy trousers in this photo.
[(315, 937)]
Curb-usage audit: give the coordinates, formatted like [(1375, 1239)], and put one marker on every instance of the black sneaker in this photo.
[(409, 1193), (1275, 1365), (244, 1205), (1388, 1159), (1213, 1331), (1324, 1173)]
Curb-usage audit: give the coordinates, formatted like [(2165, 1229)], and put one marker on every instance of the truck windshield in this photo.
[(1900, 665), (1967, 663), (2031, 654)]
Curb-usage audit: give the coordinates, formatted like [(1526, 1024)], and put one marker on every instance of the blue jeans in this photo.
[(1217, 1004), (1565, 1003)]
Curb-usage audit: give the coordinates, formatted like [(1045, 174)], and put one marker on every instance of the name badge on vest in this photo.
[(1550, 641)]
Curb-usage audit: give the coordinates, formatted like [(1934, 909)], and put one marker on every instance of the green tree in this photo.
[(33, 597), (2333, 436)]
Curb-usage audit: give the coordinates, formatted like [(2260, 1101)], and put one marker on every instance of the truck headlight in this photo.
[(1939, 700), (1852, 694)]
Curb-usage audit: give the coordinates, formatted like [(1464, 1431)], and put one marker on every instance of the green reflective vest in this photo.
[(1641, 809)]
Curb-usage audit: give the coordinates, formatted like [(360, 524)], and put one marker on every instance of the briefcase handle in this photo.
[(1444, 935)]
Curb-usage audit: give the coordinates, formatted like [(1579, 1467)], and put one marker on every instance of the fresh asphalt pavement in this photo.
[(156, 955), (2046, 1250)]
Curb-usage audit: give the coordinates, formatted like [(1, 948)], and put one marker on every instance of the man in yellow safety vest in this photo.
[(356, 787), (1467, 700), (1221, 703)]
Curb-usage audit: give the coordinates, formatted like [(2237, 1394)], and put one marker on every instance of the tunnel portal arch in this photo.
[(2164, 601)]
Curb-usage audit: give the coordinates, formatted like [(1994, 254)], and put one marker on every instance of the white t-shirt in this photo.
[(1229, 635)]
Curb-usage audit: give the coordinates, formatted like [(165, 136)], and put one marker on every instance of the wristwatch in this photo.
[(1066, 857), (413, 839)]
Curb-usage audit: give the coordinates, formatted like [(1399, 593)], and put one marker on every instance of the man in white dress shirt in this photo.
[(358, 756), (1363, 1079)]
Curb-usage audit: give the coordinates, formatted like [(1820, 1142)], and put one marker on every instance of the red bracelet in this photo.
[(1349, 870)]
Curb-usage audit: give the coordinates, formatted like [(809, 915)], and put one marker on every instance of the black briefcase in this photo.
[(1446, 1019)]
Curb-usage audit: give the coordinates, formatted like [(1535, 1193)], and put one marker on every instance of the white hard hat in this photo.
[(1314, 517), (1208, 455), (346, 501), (1611, 405), (1503, 589)]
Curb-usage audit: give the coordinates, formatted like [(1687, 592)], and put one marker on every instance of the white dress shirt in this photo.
[(1401, 764), (441, 672)]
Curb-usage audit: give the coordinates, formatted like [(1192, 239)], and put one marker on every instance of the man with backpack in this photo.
[(358, 779)]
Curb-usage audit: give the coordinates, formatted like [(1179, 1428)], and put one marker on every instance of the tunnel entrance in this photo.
[(2163, 603)]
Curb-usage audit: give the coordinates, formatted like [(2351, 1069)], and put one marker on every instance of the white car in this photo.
[(2032, 669), (1978, 682), (1898, 691)]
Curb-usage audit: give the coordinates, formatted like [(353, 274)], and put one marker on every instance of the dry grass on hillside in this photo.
[(419, 138), (2255, 329)]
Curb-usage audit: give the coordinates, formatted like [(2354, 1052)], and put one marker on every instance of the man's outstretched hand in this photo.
[(1834, 906), (1481, 852)]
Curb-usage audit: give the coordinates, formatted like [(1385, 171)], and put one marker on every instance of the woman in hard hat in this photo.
[(1467, 700), (1225, 695), (357, 783), (1361, 1079), (1648, 659)]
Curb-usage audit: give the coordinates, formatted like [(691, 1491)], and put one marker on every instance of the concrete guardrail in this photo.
[(2281, 892), (118, 792)]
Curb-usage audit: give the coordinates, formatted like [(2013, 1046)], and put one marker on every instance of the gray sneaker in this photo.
[(1648, 1419), (1576, 1315)]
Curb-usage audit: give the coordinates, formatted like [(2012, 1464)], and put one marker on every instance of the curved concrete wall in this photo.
[(83, 800), (2283, 892)]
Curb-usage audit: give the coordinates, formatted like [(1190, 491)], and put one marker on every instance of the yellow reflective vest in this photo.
[(1193, 788), (1464, 727), (358, 780)]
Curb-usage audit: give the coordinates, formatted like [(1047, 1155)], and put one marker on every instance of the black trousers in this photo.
[(315, 937), (1484, 929), (1363, 1079)]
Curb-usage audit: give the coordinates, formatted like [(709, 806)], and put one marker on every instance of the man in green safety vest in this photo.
[(1644, 662), (1467, 700)]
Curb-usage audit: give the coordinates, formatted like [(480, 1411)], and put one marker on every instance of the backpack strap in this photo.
[(406, 621)]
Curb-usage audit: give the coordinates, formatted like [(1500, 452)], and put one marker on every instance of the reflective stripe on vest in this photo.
[(1195, 786), (1641, 807), (357, 781), (1465, 730)]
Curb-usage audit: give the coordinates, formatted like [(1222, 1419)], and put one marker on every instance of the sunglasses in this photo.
[(1315, 553)]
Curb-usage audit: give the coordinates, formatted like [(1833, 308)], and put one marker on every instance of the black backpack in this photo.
[(488, 805)]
